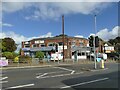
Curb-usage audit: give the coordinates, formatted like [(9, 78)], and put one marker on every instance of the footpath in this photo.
[(50, 64)]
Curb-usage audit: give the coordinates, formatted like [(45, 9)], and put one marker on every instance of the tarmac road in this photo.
[(60, 77)]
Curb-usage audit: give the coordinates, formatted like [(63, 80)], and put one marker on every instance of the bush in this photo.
[(8, 55), (25, 59), (39, 55), (15, 54)]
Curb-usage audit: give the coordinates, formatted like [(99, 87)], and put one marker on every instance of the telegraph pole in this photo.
[(63, 36), (94, 44)]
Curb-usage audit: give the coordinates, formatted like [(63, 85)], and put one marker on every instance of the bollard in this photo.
[(102, 64)]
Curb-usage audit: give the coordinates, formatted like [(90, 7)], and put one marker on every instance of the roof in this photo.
[(43, 49), (76, 48), (57, 37)]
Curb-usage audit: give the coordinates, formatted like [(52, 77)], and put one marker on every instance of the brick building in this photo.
[(48, 45)]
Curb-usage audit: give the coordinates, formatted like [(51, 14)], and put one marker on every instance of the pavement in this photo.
[(48, 64), (72, 77)]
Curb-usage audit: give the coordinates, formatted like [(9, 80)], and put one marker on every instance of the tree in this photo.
[(8, 45), (116, 43), (117, 47), (39, 55)]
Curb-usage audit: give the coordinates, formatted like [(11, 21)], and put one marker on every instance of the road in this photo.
[(64, 76)]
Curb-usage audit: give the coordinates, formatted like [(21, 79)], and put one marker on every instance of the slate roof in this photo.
[(42, 49), (76, 48)]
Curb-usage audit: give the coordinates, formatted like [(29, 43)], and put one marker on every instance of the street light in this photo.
[(94, 43)]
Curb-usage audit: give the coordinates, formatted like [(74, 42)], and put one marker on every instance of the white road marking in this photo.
[(3, 82), (64, 68), (42, 75), (59, 75), (51, 72), (20, 86), (84, 83), (72, 71), (3, 78)]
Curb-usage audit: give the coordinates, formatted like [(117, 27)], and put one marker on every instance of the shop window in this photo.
[(60, 43), (83, 53), (42, 45), (79, 54)]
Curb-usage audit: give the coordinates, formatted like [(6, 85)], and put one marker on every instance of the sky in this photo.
[(27, 20)]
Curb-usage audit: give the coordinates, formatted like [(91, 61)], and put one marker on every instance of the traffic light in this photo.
[(96, 41), (91, 39)]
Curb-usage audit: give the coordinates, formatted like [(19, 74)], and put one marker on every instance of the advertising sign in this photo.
[(3, 62)]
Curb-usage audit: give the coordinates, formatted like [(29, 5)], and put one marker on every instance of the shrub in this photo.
[(8, 55), (23, 58), (39, 55)]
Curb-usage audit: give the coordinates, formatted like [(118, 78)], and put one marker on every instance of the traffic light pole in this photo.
[(94, 44)]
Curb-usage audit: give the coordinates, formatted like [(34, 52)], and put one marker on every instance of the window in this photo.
[(83, 53), (60, 43), (34, 45), (73, 53), (50, 45), (26, 42), (81, 44), (42, 45), (27, 46), (36, 41), (79, 54)]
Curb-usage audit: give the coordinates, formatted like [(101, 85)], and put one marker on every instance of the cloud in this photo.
[(80, 36), (106, 34), (5, 24), (19, 38), (53, 10), (10, 7)]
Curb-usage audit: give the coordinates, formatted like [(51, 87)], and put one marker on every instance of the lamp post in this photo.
[(63, 37), (94, 43)]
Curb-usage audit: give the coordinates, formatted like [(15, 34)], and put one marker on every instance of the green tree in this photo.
[(116, 43), (39, 55), (117, 47), (8, 45)]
